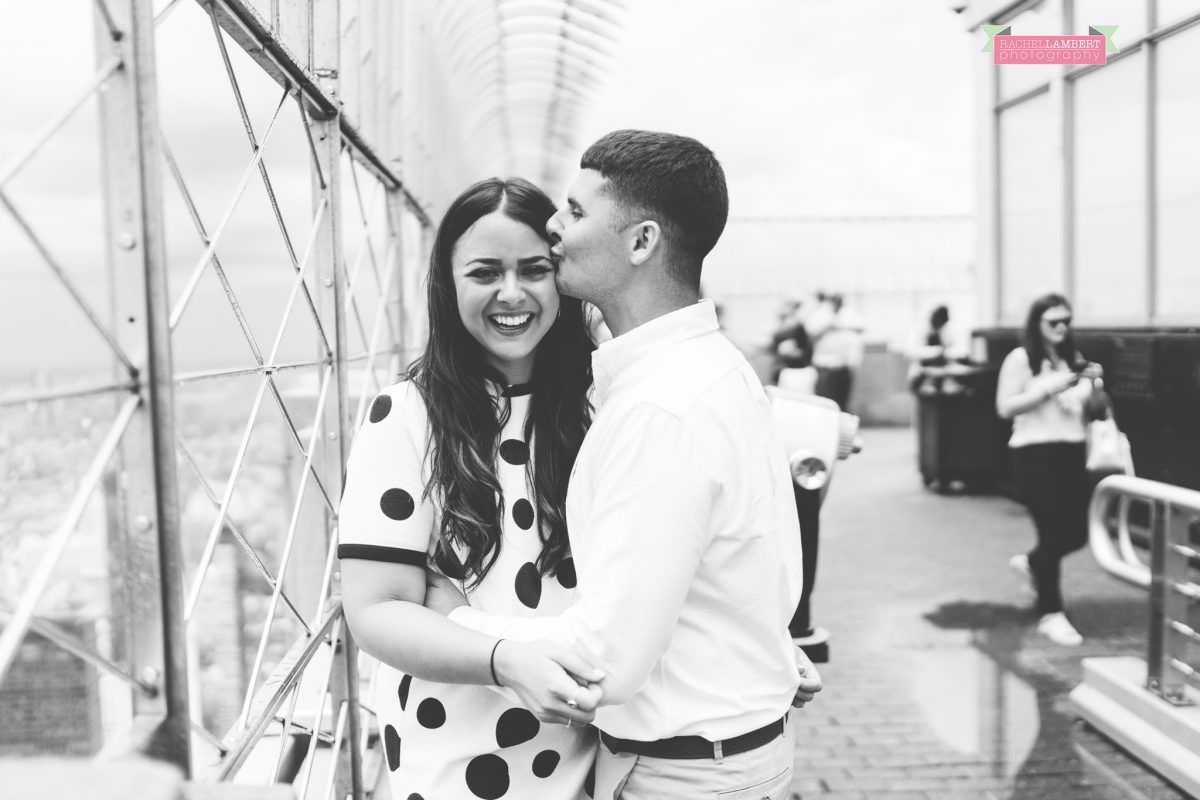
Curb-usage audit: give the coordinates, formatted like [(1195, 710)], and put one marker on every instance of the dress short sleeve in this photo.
[(385, 515)]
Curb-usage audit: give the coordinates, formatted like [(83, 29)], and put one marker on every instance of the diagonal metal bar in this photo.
[(201, 231), (59, 273), (323, 686), (339, 735), (215, 532), (226, 286), (14, 632), (71, 644), (166, 11), (289, 539), (274, 692), (46, 134), (206, 256), (109, 22), (288, 723), (367, 249), (376, 330), (262, 167), (238, 536), (21, 398), (390, 234)]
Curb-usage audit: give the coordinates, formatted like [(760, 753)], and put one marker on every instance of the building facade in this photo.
[(1089, 185)]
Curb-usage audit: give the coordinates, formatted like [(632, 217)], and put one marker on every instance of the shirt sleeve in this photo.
[(644, 536), (384, 514)]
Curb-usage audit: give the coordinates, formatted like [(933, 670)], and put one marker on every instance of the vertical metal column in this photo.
[(145, 557), (332, 449)]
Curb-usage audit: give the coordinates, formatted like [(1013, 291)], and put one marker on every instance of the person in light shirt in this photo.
[(680, 511), (1043, 387)]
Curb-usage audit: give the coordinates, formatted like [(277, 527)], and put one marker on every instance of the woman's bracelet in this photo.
[(492, 662)]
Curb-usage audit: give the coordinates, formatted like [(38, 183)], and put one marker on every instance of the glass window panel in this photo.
[(1043, 20), (1172, 10), (1110, 193), (1030, 205), (1178, 179), (1129, 15)]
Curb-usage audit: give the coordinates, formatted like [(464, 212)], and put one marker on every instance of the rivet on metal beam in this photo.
[(126, 241), (328, 282), (142, 522)]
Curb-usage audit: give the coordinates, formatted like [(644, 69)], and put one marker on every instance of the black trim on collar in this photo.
[(517, 390)]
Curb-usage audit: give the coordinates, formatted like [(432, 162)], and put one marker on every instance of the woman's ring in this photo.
[(568, 722), (574, 701)]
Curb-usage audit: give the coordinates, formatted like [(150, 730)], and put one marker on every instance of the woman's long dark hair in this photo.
[(1032, 341), (466, 418)]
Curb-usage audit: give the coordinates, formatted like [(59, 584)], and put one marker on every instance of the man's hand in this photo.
[(810, 680), (441, 595), (551, 680)]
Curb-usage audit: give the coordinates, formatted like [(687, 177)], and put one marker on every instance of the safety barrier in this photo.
[(221, 571), (1150, 706)]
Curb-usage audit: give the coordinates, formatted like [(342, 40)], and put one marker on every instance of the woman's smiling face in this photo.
[(504, 281)]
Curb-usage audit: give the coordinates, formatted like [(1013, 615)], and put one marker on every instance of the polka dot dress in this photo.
[(458, 742)]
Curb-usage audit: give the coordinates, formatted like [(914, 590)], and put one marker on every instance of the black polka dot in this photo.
[(448, 562), (589, 783), (514, 451), (405, 685), (529, 584), (380, 408), (523, 514), (397, 504), (391, 746), (431, 713), (415, 796), (487, 776), (566, 573), (516, 726), (545, 763)]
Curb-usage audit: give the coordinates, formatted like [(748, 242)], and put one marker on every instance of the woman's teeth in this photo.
[(511, 322)]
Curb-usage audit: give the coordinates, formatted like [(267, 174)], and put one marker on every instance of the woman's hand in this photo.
[(551, 680), (441, 595), (1058, 382)]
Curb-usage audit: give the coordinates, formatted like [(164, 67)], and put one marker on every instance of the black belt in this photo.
[(697, 746)]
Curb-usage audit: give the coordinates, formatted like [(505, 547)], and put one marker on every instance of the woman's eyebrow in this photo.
[(495, 262)]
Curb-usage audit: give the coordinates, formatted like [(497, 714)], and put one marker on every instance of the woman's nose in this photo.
[(510, 291)]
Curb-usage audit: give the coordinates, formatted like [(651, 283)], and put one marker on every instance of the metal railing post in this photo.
[(331, 303), (145, 557)]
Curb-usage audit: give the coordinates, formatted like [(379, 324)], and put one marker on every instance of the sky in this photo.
[(815, 108)]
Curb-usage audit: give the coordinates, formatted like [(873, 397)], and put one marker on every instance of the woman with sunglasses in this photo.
[(1042, 388)]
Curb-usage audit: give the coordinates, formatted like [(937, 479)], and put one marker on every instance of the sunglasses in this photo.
[(1064, 322)]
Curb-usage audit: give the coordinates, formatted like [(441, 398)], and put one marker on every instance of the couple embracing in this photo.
[(577, 564)]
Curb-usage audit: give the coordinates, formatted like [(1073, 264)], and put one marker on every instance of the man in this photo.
[(837, 335), (680, 508)]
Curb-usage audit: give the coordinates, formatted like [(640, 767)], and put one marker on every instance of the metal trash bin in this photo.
[(959, 435)]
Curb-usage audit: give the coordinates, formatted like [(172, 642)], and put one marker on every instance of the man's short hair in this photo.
[(674, 180)]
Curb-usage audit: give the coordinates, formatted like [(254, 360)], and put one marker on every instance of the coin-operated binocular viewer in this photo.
[(816, 435)]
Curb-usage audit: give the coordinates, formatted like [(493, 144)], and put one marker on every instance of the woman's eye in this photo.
[(482, 274), (538, 270)]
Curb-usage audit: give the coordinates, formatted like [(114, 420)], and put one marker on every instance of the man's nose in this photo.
[(554, 228)]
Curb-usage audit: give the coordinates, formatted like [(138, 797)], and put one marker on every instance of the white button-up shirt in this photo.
[(685, 538)]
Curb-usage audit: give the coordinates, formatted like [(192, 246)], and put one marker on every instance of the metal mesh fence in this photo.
[(248, 286)]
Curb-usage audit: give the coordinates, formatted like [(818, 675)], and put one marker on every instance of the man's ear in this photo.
[(645, 240)]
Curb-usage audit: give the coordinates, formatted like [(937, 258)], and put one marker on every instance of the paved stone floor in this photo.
[(938, 687)]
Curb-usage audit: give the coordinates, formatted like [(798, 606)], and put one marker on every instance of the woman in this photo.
[(464, 464), (1041, 391)]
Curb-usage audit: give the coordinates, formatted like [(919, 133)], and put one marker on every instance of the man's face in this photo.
[(593, 257)]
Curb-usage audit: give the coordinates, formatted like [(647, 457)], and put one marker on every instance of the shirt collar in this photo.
[(617, 355)]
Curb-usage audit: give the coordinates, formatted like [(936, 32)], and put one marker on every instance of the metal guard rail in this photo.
[(1174, 514)]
